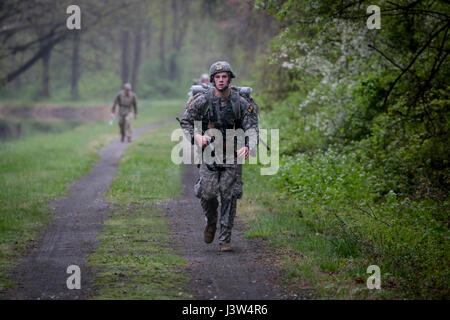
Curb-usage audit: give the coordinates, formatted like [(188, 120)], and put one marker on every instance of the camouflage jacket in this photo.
[(198, 110), (126, 103)]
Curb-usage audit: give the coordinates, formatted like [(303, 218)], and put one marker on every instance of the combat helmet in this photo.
[(220, 66), (204, 77)]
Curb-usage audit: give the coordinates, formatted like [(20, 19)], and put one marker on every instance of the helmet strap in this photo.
[(224, 88)]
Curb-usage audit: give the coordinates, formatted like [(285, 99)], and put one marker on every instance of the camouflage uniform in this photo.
[(190, 94), (239, 183), (223, 181), (127, 104)]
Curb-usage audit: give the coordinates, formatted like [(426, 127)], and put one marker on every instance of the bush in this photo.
[(342, 195)]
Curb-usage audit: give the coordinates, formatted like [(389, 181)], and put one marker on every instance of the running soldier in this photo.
[(220, 108)]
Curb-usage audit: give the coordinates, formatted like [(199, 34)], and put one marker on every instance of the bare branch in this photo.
[(387, 58), (412, 62)]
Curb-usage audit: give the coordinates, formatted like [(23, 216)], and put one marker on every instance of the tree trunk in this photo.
[(173, 55), (17, 83), (148, 38), (162, 37), (31, 61), (179, 27), (125, 66), (137, 56), (173, 66), (75, 66), (45, 91)]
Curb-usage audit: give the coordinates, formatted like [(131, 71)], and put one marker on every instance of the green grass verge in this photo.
[(134, 259), (334, 265), (37, 169)]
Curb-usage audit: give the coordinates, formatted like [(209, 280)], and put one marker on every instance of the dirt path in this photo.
[(244, 273), (72, 235)]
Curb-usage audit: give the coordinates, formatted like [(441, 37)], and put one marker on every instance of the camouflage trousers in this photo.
[(125, 125), (223, 183)]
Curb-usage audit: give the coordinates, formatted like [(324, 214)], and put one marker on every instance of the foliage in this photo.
[(163, 44), (379, 87), (365, 129), (340, 194)]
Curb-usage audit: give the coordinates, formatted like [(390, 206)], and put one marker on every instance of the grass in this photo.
[(37, 169), (134, 259), (322, 215), (310, 258)]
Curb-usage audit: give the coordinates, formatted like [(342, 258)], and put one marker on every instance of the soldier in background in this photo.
[(127, 102), (203, 80)]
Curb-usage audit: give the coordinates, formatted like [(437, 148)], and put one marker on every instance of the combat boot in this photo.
[(129, 139), (122, 138), (209, 232), (225, 246)]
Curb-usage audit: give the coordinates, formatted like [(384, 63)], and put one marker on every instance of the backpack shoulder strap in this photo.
[(236, 103), (204, 99), (192, 99), (209, 97)]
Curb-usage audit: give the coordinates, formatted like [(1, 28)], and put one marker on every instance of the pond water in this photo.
[(19, 128), (20, 122)]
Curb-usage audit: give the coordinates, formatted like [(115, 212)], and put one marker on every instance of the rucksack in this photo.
[(245, 92)]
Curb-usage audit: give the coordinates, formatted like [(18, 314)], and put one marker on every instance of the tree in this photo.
[(75, 66), (162, 39), (124, 44), (137, 54), (180, 20)]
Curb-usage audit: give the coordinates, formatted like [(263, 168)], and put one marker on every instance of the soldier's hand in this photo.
[(135, 116), (202, 140), (112, 115), (243, 152)]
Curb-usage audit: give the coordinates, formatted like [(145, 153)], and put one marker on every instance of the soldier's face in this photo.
[(221, 80), (127, 92)]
